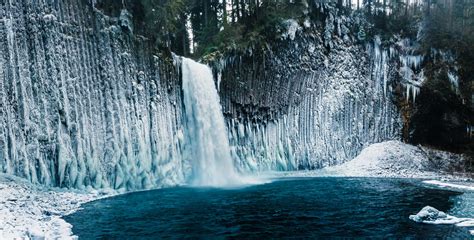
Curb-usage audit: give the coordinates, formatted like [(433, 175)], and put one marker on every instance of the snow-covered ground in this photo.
[(398, 160), (386, 159), (28, 211)]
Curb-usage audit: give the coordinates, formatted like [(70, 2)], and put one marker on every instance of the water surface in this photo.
[(288, 208)]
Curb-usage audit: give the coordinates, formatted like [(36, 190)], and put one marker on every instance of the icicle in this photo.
[(454, 79)]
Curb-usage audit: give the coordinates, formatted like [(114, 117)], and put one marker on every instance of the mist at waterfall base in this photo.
[(285, 208)]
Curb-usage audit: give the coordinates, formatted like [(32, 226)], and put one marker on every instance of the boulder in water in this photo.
[(431, 215), (428, 213)]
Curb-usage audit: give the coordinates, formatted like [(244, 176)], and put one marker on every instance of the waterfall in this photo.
[(206, 144)]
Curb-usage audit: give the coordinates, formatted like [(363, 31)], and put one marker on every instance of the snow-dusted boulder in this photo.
[(431, 215), (397, 159), (428, 213), (386, 159)]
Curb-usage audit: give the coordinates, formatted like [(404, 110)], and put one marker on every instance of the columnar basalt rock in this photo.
[(83, 102), (310, 102)]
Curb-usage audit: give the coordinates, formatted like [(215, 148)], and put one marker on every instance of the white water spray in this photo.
[(206, 135)]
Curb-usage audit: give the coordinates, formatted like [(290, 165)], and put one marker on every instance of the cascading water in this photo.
[(206, 144)]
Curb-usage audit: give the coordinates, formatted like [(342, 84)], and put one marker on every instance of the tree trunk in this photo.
[(257, 4), (406, 7), (237, 10), (206, 9), (242, 8), (224, 12), (428, 10), (369, 4), (232, 10)]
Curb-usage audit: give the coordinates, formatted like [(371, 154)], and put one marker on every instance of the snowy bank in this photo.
[(396, 159), (467, 186), (28, 211)]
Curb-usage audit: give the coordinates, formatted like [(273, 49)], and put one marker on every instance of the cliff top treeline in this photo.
[(199, 27)]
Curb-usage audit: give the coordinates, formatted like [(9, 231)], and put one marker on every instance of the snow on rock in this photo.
[(28, 211), (126, 20), (292, 27), (386, 159), (396, 159), (307, 23), (431, 215), (49, 18)]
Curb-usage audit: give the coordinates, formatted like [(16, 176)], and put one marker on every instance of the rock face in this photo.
[(311, 102), (83, 102)]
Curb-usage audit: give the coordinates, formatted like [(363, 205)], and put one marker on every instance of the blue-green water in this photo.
[(288, 208)]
